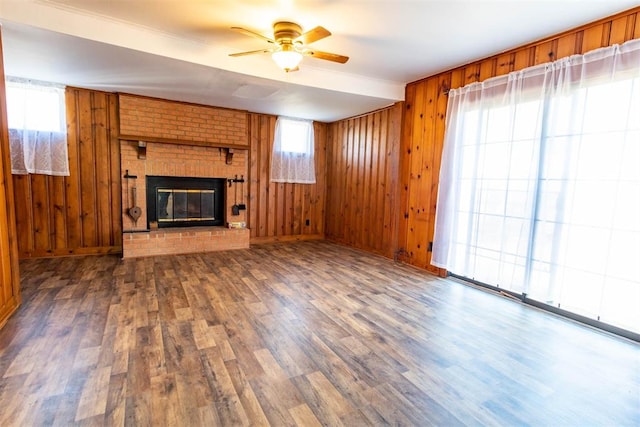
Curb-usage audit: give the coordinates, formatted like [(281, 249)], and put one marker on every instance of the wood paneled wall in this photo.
[(279, 211), (425, 114), (78, 214), (9, 268), (362, 181)]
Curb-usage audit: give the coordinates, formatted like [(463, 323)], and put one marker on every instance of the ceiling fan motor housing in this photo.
[(286, 32)]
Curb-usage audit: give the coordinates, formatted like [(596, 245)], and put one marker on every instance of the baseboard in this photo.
[(97, 250), (292, 238)]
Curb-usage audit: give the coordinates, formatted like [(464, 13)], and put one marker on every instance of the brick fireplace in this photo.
[(161, 136)]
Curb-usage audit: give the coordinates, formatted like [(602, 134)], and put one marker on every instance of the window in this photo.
[(37, 127), (540, 184), (293, 152), (294, 136)]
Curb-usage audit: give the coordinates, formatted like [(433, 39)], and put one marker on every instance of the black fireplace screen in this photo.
[(180, 201)]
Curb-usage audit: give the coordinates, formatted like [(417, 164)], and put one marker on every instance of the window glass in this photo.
[(292, 159), (38, 109), (36, 117), (294, 136)]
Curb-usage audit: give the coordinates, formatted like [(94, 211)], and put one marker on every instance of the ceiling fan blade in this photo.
[(251, 52), (334, 57), (313, 35), (253, 34)]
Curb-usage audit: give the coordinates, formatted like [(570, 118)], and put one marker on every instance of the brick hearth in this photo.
[(184, 240)]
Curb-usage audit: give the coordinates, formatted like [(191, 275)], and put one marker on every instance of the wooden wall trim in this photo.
[(10, 297)]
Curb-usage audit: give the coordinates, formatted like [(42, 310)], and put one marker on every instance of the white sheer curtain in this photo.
[(540, 184), (37, 128), (293, 157)]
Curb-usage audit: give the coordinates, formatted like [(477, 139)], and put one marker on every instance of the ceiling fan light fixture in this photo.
[(289, 44), (287, 57)]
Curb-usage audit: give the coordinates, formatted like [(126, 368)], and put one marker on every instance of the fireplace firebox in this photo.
[(185, 202)]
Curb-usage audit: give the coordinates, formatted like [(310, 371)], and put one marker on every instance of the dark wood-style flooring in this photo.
[(306, 333)]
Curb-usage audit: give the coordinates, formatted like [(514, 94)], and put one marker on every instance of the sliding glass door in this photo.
[(540, 185)]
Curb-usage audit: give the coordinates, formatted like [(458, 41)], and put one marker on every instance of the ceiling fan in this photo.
[(290, 44)]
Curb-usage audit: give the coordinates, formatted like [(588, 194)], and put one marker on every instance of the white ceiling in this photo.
[(178, 49)]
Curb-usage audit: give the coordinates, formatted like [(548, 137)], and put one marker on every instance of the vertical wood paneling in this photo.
[(487, 69), (266, 142), (279, 211), (78, 214), (288, 208), (353, 189), (592, 38), (472, 73), (317, 204), (296, 209), (424, 126), (385, 213), (59, 217), (41, 226), (618, 32), (522, 58), (23, 206), (102, 170), (334, 168), (72, 182), (87, 170), (567, 46), (9, 269), (337, 176), (256, 199), (371, 213), (444, 82), (115, 186), (392, 214), (362, 181), (504, 64), (406, 142), (363, 190), (544, 52), (417, 221), (280, 201), (418, 246)]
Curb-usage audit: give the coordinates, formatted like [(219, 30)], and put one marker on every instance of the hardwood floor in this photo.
[(306, 333)]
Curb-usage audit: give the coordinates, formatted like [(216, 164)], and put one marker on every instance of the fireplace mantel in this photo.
[(212, 144)]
